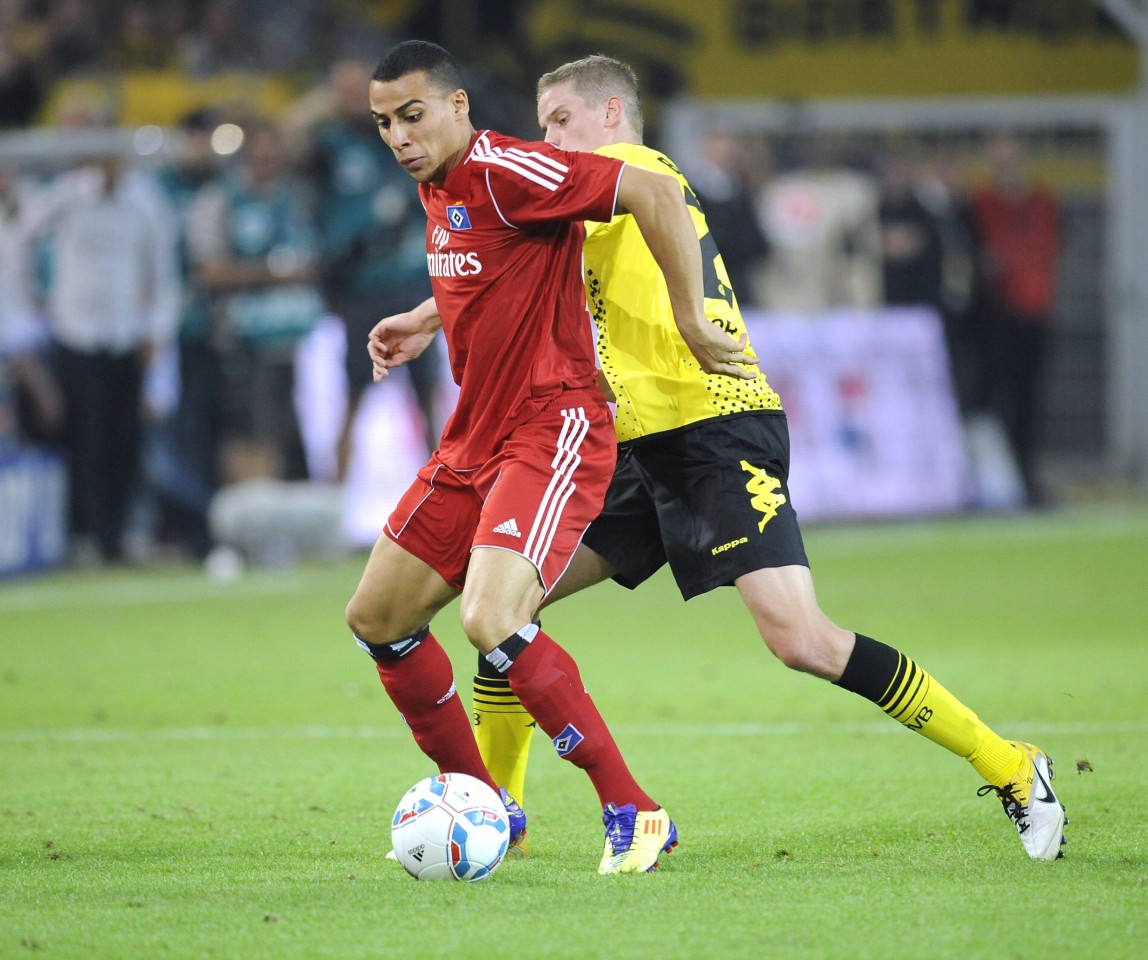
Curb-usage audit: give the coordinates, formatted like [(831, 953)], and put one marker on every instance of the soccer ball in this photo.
[(450, 827)]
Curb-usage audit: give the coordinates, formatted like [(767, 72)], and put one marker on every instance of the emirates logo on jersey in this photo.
[(450, 263), (453, 264)]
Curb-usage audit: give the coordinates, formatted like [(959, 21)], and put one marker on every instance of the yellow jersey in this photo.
[(657, 383)]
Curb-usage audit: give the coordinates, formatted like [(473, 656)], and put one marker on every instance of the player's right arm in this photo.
[(401, 337)]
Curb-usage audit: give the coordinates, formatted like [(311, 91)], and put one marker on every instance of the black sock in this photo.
[(872, 668)]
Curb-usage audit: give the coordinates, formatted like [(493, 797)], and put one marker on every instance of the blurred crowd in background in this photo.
[(151, 308)]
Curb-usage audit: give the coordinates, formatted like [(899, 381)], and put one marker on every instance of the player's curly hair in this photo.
[(413, 55), (597, 78)]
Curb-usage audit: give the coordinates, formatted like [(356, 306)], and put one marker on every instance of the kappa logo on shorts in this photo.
[(510, 528), (764, 492), (729, 546)]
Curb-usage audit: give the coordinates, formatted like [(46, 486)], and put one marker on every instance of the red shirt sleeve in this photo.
[(533, 183)]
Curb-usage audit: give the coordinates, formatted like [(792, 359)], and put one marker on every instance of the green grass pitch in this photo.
[(193, 769)]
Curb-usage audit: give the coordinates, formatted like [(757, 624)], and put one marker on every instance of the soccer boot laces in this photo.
[(635, 839), (1031, 804)]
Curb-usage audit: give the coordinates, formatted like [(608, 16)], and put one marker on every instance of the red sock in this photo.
[(546, 679), (421, 685)]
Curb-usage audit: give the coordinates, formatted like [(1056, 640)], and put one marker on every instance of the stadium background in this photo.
[(914, 75), (193, 768)]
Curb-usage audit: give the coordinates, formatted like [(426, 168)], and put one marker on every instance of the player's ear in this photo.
[(613, 111), (460, 103)]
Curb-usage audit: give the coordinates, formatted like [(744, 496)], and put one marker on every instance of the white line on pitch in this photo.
[(216, 734)]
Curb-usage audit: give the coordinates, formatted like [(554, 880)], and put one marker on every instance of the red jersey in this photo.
[(1022, 235), (504, 252)]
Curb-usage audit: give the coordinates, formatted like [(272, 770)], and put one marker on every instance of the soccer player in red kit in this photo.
[(523, 464)]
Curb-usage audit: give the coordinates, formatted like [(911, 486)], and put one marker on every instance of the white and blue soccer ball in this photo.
[(450, 827)]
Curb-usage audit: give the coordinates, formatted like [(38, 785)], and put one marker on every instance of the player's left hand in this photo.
[(718, 352), (396, 340)]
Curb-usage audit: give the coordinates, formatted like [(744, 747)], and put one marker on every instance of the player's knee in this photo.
[(786, 636), (485, 624), (356, 617), (819, 649), (790, 647), (371, 622)]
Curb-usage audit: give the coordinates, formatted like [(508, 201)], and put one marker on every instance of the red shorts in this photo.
[(534, 497)]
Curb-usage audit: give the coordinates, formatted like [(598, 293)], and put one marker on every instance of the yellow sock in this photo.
[(912, 697), (919, 702), (503, 729)]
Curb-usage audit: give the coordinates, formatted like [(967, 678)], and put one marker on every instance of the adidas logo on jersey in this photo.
[(509, 527)]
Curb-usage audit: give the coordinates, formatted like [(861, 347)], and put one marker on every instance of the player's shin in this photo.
[(419, 678), (546, 681), (503, 728)]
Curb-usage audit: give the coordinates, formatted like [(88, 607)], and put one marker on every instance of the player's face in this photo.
[(427, 129), (569, 122)]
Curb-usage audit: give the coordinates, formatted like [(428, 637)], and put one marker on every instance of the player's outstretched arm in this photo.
[(656, 203), (401, 337)]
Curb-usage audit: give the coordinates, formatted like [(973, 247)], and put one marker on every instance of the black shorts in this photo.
[(711, 499)]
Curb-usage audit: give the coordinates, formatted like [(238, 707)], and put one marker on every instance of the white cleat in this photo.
[(1031, 805)]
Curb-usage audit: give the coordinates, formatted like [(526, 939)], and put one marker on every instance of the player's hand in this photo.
[(396, 340), (718, 352)]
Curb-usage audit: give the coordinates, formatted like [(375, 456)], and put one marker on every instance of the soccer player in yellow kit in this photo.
[(701, 483)]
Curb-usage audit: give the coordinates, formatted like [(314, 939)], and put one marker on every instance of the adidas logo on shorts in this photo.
[(509, 527)]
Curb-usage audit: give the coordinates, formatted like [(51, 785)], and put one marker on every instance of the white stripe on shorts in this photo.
[(561, 487)]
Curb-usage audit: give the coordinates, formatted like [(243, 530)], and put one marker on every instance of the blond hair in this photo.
[(597, 78)]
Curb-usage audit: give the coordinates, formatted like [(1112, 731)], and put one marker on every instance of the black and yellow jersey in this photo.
[(656, 381)]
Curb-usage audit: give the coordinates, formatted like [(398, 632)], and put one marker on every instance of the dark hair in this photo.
[(414, 55)]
